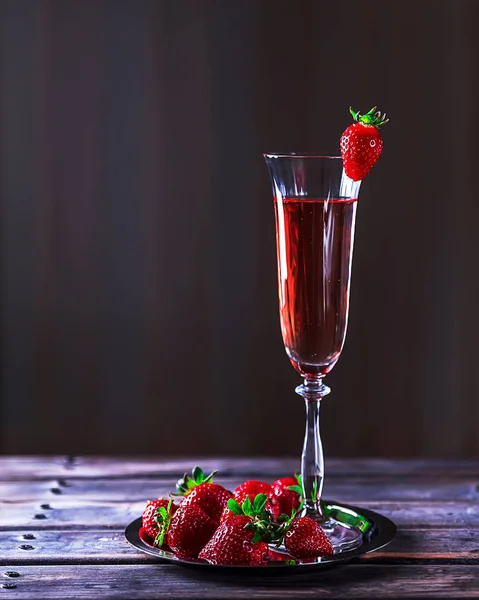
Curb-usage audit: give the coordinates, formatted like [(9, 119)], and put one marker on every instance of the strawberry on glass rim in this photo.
[(361, 143)]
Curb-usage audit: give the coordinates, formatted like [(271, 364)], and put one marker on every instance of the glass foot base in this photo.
[(342, 537)]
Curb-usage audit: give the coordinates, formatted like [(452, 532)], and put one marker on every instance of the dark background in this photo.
[(138, 290)]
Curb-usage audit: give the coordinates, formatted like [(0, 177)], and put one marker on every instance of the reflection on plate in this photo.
[(377, 532)]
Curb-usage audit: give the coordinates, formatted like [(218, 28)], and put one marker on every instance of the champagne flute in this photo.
[(315, 208)]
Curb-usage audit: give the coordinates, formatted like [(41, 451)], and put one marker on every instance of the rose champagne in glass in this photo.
[(315, 209)]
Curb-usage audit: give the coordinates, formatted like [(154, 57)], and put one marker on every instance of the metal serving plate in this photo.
[(377, 531)]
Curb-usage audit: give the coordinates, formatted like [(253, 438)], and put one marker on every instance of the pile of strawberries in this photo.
[(239, 528)]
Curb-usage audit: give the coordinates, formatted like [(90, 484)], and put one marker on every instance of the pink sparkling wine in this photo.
[(315, 241)]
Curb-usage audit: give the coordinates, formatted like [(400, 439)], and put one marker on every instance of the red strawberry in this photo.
[(286, 500), (275, 556), (306, 539), (210, 497), (273, 509), (145, 536), (361, 143), (150, 517), (232, 544), (199, 491), (225, 514), (190, 530), (250, 488)]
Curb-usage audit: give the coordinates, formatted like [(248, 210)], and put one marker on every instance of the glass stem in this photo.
[(312, 462)]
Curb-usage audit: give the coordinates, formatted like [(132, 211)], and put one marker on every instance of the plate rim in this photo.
[(386, 532)]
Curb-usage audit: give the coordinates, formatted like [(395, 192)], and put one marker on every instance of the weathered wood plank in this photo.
[(429, 514), (74, 512), (15, 468), (435, 505), (67, 547), (70, 547), (53, 467), (90, 547), (351, 489), (143, 582), (430, 545), (69, 512)]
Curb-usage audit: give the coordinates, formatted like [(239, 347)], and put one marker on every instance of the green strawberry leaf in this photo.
[(209, 479), (186, 483), (256, 538), (259, 503), (372, 117), (247, 507), (234, 507), (198, 475), (183, 486), (163, 519), (295, 488), (160, 538)]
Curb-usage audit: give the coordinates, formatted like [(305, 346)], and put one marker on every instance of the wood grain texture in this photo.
[(143, 582), (78, 547), (74, 512), (48, 467), (100, 546), (351, 489)]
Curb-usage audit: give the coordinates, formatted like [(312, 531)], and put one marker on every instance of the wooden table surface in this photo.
[(62, 521)]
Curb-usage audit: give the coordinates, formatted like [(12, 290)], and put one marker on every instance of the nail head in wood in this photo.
[(69, 461)]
